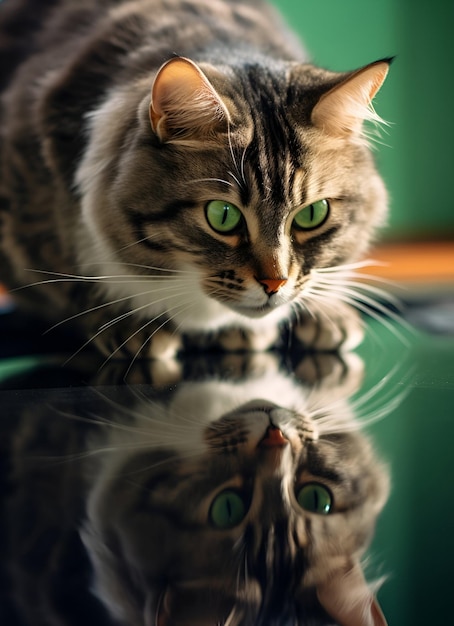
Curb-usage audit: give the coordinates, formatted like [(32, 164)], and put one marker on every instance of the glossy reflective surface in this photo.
[(247, 442), (414, 535)]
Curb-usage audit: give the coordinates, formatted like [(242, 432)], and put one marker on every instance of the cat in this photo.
[(177, 170), (242, 495)]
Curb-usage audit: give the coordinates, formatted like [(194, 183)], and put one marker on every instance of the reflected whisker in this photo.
[(133, 413), (104, 422), (54, 460), (182, 418), (180, 455)]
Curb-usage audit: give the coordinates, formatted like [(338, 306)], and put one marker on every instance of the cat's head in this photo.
[(267, 526), (245, 179)]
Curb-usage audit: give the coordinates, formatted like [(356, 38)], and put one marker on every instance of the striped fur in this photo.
[(107, 492), (148, 530), (110, 155)]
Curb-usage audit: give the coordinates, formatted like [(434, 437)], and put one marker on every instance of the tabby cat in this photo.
[(177, 168), (207, 502)]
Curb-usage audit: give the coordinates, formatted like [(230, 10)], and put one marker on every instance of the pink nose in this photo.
[(272, 285), (274, 438)]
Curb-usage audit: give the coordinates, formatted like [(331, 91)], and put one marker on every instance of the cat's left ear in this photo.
[(347, 598), (343, 109), (184, 104)]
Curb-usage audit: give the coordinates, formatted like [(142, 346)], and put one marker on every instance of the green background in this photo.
[(417, 98), (414, 543)]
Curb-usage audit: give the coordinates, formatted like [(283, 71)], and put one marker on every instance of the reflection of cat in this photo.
[(217, 191), (242, 497), (251, 508)]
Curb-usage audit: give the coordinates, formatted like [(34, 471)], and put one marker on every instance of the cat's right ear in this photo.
[(184, 105), (341, 111)]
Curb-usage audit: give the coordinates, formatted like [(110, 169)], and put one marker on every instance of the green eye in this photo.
[(227, 510), (223, 216), (315, 498), (312, 216)]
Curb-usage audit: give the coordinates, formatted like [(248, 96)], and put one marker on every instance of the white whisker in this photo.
[(98, 307), (212, 180), (352, 296), (110, 278), (154, 268), (345, 284), (168, 319), (239, 178), (153, 302), (235, 178), (103, 328), (137, 241), (359, 288), (373, 309), (140, 329), (351, 266), (243, 159)]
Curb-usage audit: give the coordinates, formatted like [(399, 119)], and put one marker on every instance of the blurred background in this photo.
[(414, 545)]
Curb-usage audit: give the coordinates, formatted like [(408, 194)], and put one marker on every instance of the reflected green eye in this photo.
[(223, 216), (227, 510), (312, 216), (315, 498)]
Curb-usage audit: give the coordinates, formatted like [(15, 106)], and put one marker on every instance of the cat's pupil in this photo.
[(315, 498), (227, 510), (222, 216), (312, 215), (312, 212), (315, 495)]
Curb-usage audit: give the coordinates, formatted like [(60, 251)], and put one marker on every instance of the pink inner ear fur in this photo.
[(347, 598), (344, 108), (183, 102)]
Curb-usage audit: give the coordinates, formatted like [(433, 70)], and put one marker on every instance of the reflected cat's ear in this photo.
[(347, 598), (184, 105), (343, 109)]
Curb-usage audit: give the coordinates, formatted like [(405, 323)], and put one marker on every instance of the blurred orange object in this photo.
[(416, 262), (5, 299)]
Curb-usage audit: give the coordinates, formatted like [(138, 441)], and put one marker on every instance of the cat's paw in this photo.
[(160, 373), (127, 343), (247, 340), (331, 370), (233, 340), (339, 327)]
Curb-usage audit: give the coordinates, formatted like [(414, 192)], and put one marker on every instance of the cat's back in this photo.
[(59, 29), (27, 27)]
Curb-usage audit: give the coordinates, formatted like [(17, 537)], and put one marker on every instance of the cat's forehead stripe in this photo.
[(269, 155)]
